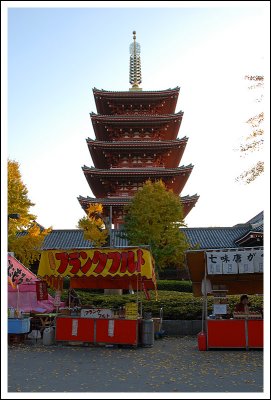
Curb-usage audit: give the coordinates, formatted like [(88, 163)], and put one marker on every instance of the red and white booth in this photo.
[(107, 268)]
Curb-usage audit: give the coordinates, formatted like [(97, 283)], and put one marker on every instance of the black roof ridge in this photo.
[(138, 141), (217, 227), (177, 88), (255, 217), (137, 169), (68, 229), (141, 116)]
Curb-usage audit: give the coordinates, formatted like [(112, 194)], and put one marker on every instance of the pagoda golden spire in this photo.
[(135, 64)]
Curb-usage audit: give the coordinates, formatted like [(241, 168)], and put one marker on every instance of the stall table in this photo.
[(17, 329), (45, 319), (235, 333)]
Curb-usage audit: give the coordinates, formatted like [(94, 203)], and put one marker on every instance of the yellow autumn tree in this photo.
[(94, 226), (25, 235), (154, 217)]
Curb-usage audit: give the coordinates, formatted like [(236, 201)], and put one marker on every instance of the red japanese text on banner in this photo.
[(41, 290)]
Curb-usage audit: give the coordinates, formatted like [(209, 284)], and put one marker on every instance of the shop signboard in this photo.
[(97, 262), (57, 299), (97, 313), (234, 261)]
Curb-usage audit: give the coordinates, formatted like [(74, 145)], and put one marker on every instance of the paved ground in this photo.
[(173, 364)]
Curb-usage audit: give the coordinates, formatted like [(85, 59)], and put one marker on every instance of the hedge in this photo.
[(175, 305), (177, 286), (163, 284)]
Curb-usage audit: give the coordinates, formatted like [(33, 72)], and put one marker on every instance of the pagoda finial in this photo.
[(135, 64)]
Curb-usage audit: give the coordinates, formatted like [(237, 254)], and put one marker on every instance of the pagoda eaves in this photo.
[(162, 101), (123, 182), (137, 154), (133, 127), (118, 203)]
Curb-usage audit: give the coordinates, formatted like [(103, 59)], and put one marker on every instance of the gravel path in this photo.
[(173, 364)]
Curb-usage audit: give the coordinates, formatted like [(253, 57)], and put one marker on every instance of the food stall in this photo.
[(105, 268), (219, 273), (28, 301)]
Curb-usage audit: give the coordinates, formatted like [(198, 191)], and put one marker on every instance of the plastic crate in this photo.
[(18, 325)]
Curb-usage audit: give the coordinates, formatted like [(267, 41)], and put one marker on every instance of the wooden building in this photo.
[(136, 139)]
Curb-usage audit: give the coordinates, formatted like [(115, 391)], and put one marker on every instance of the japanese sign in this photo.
[(234, 261), (41, 290), (18, 273), (57, 299), (97, 313), (97, 262), (131, 310)]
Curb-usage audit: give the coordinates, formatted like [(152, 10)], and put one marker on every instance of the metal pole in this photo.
[(110, 227), (205, 296)]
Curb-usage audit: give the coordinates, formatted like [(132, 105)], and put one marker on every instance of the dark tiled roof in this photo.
[(257, 219), (142, 171), (206, 238), (74, 239), (128, 93), (258, 228), (64, 239), (135, 117), (137, 143), (126, 200), (214, 238)]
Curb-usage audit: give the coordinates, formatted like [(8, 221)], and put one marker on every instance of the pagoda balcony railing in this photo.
[(139, 165), (114, 195)]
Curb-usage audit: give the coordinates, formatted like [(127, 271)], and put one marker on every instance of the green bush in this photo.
[(177, 286), (175, 305)]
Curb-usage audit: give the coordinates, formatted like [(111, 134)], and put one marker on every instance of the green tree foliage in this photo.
[(254, 141), (93, 225), (25, 236), (154, 218)]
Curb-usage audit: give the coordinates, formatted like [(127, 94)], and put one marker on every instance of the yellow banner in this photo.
[(97, 262)]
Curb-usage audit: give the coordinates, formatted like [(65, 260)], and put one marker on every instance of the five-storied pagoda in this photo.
[(136, 140)]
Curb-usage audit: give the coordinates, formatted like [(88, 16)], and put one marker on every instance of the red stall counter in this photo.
[(74, 329), (255, 333), (235, 333), (97, 330), (226, 333), (118, 331)]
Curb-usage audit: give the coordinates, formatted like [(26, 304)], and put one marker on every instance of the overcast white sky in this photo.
[(58, 51), (57, 55)]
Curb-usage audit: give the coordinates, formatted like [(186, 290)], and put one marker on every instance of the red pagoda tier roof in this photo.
[(104, 153), (106, 182), (119, 202), (112, 127), (163, 101)]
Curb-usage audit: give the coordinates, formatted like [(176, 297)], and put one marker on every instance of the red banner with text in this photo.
[(41, 290)]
